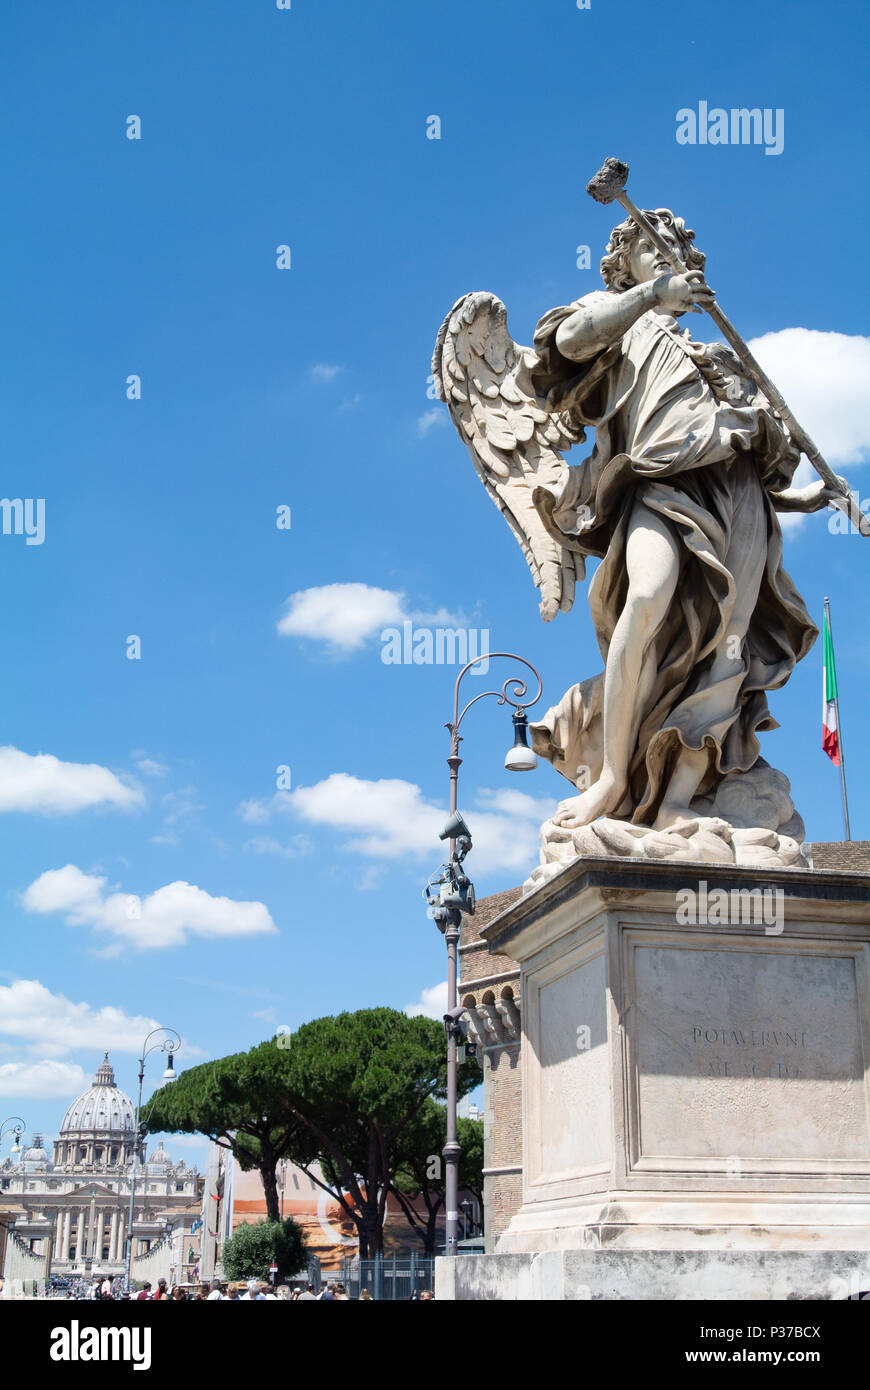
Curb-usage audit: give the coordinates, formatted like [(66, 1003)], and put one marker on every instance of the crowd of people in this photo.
[(231, 1291)]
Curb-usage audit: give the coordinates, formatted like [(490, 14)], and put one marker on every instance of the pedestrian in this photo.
[(309, 1296), (145, 1292), (215, 1291), (232, 1293), (253, 1295), (365, 1297), (427, 1296), (180, 1295), (161, 1294), (327, 1295), (340, 1293)]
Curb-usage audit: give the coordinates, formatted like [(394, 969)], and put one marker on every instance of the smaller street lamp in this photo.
[(171, 1045), (18, 1128), (453, 894)]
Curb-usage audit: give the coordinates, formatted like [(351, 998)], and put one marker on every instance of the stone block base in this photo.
[(654, 1275)]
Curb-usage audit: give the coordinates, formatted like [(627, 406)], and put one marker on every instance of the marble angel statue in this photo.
[(695, 617)]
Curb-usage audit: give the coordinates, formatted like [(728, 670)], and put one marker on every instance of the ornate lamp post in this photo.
[(18, 1128), (171, 1045), (520, 758)]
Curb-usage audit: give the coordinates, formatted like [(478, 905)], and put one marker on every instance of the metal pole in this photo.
[(128, 1253), (452, 1148), (839, 728)]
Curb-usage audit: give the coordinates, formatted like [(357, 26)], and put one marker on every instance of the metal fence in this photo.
[(389, 1279)]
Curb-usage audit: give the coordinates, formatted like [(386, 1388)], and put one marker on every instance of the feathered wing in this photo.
[(484, 378)]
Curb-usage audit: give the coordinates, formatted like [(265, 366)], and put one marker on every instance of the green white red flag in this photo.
[(830, 721)]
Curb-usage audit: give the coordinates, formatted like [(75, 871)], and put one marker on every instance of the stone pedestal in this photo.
[(695, 1084)]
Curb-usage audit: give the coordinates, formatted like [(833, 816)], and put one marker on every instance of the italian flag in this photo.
[(830, 729)]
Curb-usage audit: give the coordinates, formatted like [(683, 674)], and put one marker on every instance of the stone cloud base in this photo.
[(696, 1119)]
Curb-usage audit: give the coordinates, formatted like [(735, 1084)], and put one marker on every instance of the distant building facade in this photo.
[(74, 1206)]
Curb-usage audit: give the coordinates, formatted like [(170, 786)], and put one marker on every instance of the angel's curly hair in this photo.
[(615, 263)]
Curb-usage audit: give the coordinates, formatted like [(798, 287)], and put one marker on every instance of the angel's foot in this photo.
[(601, 799)]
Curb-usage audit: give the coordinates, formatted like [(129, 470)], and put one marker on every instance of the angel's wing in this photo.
[(484, 377)]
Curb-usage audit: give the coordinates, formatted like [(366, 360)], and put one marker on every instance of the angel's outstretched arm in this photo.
[(601, 319)]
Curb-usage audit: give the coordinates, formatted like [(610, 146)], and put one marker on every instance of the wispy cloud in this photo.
[(149, 767), (30, 1011), (390, 819), (431, 419), (45, 1080), (324, 371)]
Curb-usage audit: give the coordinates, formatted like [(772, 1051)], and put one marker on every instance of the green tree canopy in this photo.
[(357, 1081), (253, 1247), (238, 1101), (335, 1097)]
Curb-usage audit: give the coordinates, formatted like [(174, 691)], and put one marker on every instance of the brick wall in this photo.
[(489, 985)]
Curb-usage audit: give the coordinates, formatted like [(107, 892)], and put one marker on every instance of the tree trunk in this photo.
[(431, 1229), (371, 1237), (270, 1187)]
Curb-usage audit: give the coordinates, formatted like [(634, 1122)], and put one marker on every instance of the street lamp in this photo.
[(170, 1045), (458, 893), (18, 1128)]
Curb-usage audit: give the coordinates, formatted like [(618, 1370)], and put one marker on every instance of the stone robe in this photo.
[(679, 428)]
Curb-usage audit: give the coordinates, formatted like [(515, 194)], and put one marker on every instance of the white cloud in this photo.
[(269, 1015), (29, 1010), (166, 917), (267, 844), (391, 819), (43, 783), (178, 1141), (324, 371), (823, 376), (431, 1004), (149, 767), (46, 1080), (430, 419), (344, 615), (351, 402)]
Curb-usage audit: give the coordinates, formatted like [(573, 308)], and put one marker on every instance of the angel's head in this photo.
[(631, 258)]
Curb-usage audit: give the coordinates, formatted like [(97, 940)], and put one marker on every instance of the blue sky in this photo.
[(307, 388)]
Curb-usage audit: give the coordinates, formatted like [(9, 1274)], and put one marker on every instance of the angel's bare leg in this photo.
[(653, 566)]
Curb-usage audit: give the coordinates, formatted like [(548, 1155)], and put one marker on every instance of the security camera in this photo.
[(456, 829), (444, 917), (453, 1015), (460, 895)]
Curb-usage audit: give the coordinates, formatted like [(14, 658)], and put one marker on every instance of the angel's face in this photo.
[(646, 261)]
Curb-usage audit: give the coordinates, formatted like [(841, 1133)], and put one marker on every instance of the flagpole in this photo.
[(839, 728)]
